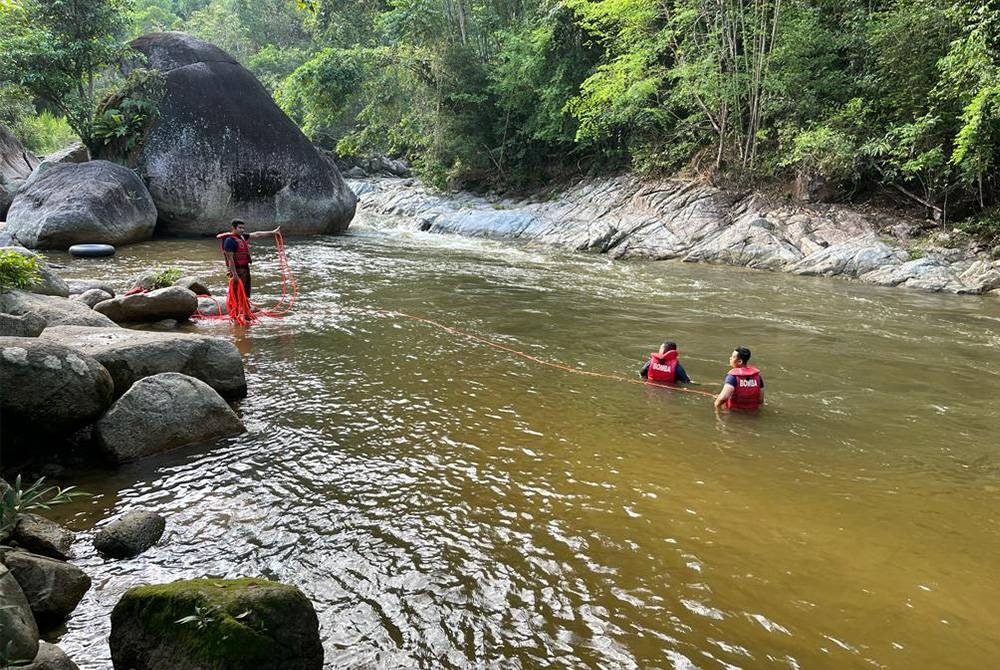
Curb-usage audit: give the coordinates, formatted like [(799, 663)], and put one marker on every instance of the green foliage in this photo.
[(317, 94), (59, 49), (126, 115), (18, 270), (166, 277), (17, 501)]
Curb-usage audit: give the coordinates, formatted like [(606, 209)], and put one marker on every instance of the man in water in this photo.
[(664, 367), (743, 387), (236, 250)]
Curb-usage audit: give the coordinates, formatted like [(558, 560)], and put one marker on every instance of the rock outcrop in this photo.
[(237, 624), (47, 388), (74, 203), (16, 164), (222, 149), (627, 217), (53, 588), (51, 310), (130, 355), (17, 624), (130, 535), (172, 302), (163, 412)]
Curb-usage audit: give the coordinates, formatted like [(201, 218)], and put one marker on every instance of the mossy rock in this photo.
[(215, 624)]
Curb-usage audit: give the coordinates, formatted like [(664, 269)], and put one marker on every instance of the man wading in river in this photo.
[(743, 387), (236, 250), (664, 367)]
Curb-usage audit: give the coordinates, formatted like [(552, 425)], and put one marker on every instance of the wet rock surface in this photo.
[(130, 355), (53, 588), (626, 217), (130, 535)]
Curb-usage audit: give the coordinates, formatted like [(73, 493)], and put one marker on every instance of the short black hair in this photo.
[(669, 345), (237, 222), (743, 353)]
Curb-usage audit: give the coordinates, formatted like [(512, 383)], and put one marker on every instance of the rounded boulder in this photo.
[(74, 203), (130, 535)]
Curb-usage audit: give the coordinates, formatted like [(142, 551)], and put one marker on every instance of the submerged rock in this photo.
[(163, 412), (130, 355), (130, 535), (237, 624), (50, 657), (222, 149), (73, 203)]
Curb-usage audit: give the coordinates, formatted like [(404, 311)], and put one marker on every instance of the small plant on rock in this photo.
[(18, 270), (202, 617), (166, 277), (16, 501)]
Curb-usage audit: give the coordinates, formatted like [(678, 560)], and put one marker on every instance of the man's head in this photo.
[(239, 226), (668, 346), (739, 357)]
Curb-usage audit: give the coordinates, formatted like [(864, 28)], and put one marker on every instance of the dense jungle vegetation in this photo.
[(897, 95)]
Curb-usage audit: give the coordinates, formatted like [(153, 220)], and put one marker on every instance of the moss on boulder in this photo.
[(211, 624)]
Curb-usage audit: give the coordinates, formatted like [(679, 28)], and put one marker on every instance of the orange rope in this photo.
[(534, 359), (238, 306)]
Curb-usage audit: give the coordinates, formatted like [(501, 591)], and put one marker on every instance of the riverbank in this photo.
[(629, 218)]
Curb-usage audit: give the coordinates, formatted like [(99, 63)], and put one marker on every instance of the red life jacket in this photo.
[(662, 367), (242, 254), (747, 392)]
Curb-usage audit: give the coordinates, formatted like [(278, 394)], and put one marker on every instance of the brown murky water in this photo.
[(448, 505)]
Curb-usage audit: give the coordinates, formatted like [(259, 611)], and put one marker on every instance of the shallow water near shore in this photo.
[(446, 504)]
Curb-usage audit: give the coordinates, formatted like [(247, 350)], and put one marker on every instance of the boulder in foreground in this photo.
[(163, 412), (130, 355), (238, 624)]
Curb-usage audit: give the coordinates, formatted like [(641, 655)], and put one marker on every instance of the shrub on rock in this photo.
[(204, 624), (163, 412)]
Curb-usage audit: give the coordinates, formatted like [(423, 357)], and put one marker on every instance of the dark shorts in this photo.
[(243, 274)]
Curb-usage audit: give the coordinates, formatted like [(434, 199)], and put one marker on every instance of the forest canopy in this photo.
[(902, 95)]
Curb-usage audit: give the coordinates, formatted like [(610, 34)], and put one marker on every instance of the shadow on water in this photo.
[(446, 504)]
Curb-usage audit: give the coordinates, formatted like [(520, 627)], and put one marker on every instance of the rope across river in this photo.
[(241, 311)]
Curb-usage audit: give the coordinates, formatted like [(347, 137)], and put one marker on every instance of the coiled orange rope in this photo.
[(241, 311)]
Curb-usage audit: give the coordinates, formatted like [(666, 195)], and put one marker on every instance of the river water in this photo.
[(448, 505)]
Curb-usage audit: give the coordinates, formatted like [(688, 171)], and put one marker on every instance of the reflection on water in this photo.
[(446, 504)]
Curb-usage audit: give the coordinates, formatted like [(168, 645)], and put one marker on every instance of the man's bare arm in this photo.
[(725, 394), (265, 233)]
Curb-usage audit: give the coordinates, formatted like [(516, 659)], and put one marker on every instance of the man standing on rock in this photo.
[(236, 250)]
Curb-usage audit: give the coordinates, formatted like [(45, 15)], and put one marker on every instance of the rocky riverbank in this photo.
[(626, 217)]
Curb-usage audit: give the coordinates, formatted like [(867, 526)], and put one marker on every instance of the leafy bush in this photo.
[(166, 277), (46, 133), (18, 271), (17, 501)]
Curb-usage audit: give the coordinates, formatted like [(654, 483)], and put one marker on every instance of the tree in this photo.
[(57, 49)]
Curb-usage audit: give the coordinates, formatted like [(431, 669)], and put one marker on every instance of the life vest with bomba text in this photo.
[(241, 257), (662, 367), (747, 391)]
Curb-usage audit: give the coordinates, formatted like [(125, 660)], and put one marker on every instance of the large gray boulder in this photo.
[(16, 164), (47, 388), (163, 412), (130, 355), (173, 302), (17, 624), (50, 657), (255, 625), (73, 203), (222, 149), (41, 536), (130, 535), (51, 283), (53, 588), (51, 310)]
